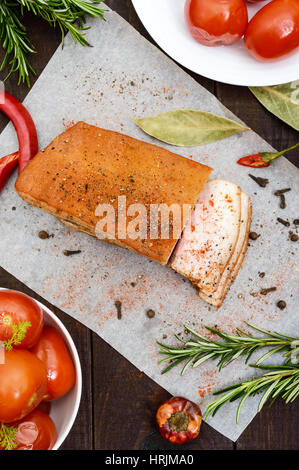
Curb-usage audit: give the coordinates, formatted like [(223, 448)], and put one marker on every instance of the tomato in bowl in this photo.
[(62, 411)]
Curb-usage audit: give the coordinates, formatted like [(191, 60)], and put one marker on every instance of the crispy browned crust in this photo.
[(86, 166)]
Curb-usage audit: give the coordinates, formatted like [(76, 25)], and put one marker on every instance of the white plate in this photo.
[(164, 20)]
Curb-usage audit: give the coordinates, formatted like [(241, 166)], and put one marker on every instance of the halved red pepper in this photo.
[(7, 166), (26, 132), (263, 159)]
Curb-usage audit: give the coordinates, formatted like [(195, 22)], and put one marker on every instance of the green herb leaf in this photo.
[(196, 351), (278, 381), (18, 334), (281, 100), (67, 15), (8, 437), (189, 127)]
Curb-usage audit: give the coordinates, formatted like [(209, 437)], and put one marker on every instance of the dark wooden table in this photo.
[(119, 403)]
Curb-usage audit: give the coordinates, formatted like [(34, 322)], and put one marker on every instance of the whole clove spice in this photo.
[(266, 291), (279, 192), (71, 252), (286, 223), (262, 182), (283, 204), (118, 306)]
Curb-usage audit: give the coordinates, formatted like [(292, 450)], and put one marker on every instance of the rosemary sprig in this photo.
[(15, 43), (68, 15), (197, 351), (279, 381), (8, 437)]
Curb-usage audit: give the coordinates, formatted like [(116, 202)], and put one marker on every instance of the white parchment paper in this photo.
[(122, 77)]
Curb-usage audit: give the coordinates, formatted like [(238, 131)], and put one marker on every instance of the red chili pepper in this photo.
[(26, 132), (179, 420), (253, 161), (263, 159), (7, 166)]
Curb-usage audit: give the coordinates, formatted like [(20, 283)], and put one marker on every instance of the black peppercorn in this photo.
[(281, 304), (43, 235), (253, 236), (150, 313)]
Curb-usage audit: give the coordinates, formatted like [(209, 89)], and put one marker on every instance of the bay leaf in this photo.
[(281, 100), (189, 127)]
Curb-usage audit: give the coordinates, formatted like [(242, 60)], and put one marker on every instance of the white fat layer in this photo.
[(210, 237), (236, 260)]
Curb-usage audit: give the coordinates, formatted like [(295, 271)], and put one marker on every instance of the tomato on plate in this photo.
[(273, 33), (23, 383), (61, 374), (16, 308), (216, 22), (36, 431)]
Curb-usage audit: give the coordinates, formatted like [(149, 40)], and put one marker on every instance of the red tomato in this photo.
[(16, 307), (216, 22), (23, 383), (45, 407), (273, 32), (61, 373), (36, 431)]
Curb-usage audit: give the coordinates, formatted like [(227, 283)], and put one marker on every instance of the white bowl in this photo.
[(164, 20), (64, 411)]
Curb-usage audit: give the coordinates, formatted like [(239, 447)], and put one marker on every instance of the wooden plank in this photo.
[(274, 428), (125, 404), (81, 436), (126, 400)]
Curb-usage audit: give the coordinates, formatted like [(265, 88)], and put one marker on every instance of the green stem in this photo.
[(269, 157)]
